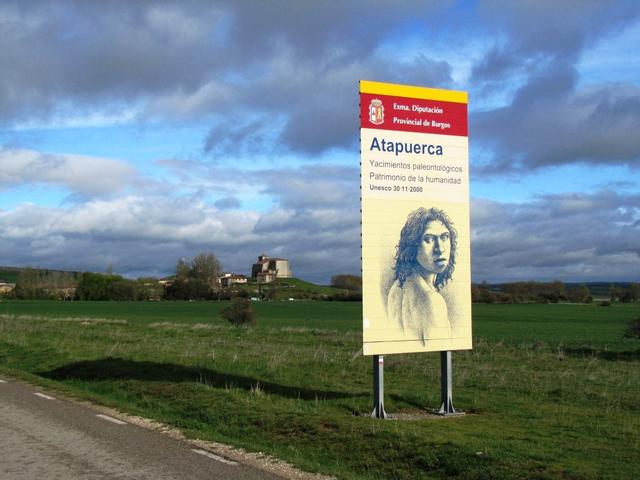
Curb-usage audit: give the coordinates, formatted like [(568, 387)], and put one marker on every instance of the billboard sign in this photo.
[(416, 274)]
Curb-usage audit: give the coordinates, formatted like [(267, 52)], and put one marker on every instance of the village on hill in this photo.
[(200, 278)]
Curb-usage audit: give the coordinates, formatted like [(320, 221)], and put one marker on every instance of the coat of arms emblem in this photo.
[(376, 112)]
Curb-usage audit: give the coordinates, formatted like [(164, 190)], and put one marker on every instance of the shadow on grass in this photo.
[(407, 401), (629, 355), (122, 369)]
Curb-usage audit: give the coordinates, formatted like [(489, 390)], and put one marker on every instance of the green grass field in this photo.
[(551, 391)]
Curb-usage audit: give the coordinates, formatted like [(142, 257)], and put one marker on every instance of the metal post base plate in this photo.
[(443, 412), (379, 413)]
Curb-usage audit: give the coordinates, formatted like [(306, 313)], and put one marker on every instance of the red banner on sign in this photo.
[(403, 114)]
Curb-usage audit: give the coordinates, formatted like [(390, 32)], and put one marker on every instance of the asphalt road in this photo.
[(42, 436)]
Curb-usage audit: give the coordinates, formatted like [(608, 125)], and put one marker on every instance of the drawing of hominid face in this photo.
[(435, 247), (428, 243)]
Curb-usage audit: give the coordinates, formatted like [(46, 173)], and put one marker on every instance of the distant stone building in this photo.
[(266, 277), (228, 279), (6, 287), (267, 269)]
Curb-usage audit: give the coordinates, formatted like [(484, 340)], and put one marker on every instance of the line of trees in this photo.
[(548, 292), (197, 279), (97, 286), (625, 295), (531, 292), (39, 284)]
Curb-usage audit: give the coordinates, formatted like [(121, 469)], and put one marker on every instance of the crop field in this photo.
[(550, 391)]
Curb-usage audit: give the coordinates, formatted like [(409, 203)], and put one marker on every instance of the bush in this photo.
[(347, 282), (604, 303), (345, 297), (96, 286), (188, 289), (240, 312), (242, 294), (633, 331)]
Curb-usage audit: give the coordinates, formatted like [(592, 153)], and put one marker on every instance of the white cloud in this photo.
[(570, 237), (80, 174)]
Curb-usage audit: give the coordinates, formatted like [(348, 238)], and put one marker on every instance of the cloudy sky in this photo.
[(136, 133)]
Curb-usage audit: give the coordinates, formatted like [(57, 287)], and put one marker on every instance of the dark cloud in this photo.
[(238, 138), (298, 63), (281, 74), (327, 31), (531, 31), (59, 55), (308, 106), (327, 115), (550, 120), (491, 70), (596, 126)]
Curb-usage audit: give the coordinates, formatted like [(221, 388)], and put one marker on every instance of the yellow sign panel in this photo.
[(415, 219)]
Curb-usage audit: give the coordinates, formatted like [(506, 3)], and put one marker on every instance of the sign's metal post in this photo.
[(446, 386), (378, 387)]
